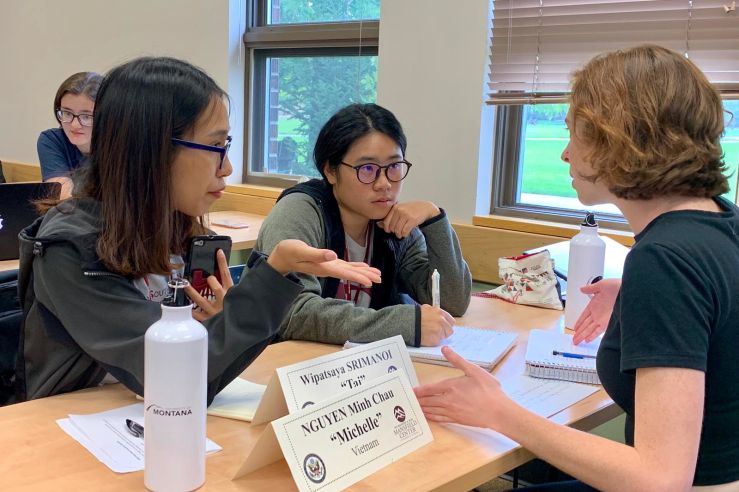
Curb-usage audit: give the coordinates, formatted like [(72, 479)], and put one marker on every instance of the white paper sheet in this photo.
[(105, 435), (238, 400), (546, 397)]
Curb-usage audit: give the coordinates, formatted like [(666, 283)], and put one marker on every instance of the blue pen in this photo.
[(573, 356)]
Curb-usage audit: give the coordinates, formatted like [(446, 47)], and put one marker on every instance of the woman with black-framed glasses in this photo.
[(94, 269), (355, 210), (62, 150)]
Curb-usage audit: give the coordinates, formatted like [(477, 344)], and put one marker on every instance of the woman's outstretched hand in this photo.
[(594, 319), (474, 399), (293, 255)]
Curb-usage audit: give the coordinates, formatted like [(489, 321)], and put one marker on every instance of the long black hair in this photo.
[(141, 105), (349, 124)]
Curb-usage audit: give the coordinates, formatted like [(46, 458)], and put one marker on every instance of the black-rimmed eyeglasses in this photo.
[(65, 116), (370, 172), (211, 148)]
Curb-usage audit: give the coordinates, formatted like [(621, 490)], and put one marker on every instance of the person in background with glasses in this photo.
[(95, 267), (62, 150), (355, 210)]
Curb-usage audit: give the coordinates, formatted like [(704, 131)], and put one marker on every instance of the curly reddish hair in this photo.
[(653, 123)]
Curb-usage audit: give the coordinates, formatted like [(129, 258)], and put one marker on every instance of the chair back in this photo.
[(10, 328)]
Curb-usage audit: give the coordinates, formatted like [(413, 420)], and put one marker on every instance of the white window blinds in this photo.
[(535, 44)]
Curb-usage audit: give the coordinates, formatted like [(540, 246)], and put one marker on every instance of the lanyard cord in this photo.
[(367, 246)]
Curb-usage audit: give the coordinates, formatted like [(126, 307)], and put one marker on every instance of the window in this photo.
[(534, 46), (307, 60), (303, 11), (540, 179), (730, 145)]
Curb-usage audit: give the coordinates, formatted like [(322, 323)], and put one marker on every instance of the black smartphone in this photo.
[(202, 261)]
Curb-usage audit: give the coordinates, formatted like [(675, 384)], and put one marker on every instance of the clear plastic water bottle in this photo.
[(175, 393), (585, 266)]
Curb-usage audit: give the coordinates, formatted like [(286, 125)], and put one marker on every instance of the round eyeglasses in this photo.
[(64, 116), (211, 148), (370, 172)]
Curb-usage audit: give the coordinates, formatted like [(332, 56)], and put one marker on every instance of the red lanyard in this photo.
[(348, 284)]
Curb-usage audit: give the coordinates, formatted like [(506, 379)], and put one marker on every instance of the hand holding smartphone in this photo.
[(202, 262)]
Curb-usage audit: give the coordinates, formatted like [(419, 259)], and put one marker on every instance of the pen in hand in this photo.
[(435, 293), (134, 428), (573, 356)]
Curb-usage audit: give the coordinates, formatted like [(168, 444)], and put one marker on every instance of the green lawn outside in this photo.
[(544, 172)]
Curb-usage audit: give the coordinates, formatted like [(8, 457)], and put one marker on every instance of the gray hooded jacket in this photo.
[(82, 321)]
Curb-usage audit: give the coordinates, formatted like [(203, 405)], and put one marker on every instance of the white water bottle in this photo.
[(585, 266), (175, 394)]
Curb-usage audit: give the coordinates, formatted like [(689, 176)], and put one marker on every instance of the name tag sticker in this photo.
[(337, 442), (307, 383)]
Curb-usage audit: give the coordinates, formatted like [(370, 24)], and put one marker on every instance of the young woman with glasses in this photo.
[(95, 266), (62, 150), (355, 210)]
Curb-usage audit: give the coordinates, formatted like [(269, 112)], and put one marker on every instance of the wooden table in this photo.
[(38, 455), (241, 238), (8, 265)]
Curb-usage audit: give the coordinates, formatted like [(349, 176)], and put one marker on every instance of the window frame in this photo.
[(507, 155), (532, 47), (507, 180), (263, 41)]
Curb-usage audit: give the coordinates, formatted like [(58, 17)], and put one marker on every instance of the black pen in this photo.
[(573, 356), (134, 428)]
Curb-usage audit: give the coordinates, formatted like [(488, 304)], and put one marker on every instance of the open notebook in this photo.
[(238, 400), (541, 362), (479, 346)]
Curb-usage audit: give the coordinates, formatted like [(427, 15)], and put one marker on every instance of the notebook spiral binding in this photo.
[(563, 372)]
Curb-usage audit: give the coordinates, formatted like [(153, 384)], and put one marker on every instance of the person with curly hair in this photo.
[(644, 125)]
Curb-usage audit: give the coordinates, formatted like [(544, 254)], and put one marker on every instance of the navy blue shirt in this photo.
[(678, 306), (57, 155)]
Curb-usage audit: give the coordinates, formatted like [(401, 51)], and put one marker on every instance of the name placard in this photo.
[(300, 385), (339, 441)]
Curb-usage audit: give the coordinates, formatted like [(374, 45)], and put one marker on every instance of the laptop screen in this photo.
[(17, 211)]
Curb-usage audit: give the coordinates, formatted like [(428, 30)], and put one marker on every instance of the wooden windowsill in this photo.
[(542, 227), (255, 190)]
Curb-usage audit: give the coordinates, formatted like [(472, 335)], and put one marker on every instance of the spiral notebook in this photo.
[(541, 361), (480, 346)]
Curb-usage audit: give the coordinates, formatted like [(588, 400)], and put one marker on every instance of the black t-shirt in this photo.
[(679, 307)]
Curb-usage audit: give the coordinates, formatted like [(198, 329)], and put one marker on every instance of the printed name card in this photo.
[(337, 442), (300, 385)]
